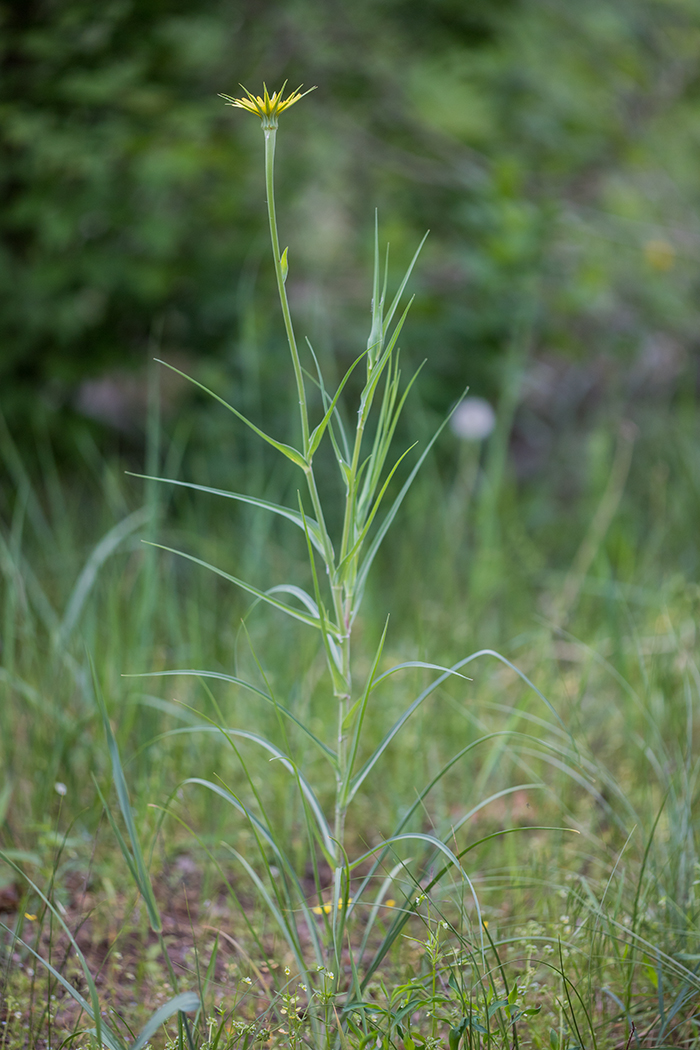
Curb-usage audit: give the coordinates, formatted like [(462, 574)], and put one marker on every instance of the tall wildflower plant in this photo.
[(339, 568)]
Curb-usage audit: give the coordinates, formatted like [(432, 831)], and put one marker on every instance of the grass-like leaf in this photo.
[(291, 453), (262, 595), (254, 501), (138, 866), (220, 676), (185, 1002)]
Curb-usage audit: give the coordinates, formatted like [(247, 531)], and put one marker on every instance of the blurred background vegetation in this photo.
[(552, 152)]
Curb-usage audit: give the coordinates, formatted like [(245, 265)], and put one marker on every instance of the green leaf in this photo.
[(384, 527), (21, 856), (84, 584), (294, 613), (347, 560), (194, 672), (186, 1002), (274, 508), (286, 761), (5, 796), (143, 878), (287, 450), (419, 663), (318, 432), (284, 265), (402, 286), (411, 836), (374, 342)]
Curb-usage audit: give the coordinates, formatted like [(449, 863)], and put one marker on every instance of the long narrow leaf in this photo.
[(194, 672), (402, 286), (279, 756), (297, 592), (183, 1003), (326, 397), (400, 722), (374, 341), (368, 524), (294, 613), (263, 504), (85, 582), (143, 878), (384, 527), (318, 432), (418, 663), (286, 928), (362, 704), (287, 450)]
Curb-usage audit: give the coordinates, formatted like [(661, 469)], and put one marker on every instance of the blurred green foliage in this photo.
[(552, 150)]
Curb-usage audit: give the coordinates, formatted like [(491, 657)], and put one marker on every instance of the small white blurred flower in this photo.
[(473, 419), (60, 788)]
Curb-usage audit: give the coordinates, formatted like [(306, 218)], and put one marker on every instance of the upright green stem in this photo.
[(270, 136), (342, 697)]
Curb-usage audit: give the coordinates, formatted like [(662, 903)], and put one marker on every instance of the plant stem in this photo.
[(270, 136), (343, 619)]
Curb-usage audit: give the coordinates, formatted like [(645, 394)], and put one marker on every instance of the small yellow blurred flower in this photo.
[(390, 903), (269, 107), (660, 254), (32, 918), (326, 909)]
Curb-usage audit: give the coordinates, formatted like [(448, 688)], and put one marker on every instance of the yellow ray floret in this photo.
[(269, 107)]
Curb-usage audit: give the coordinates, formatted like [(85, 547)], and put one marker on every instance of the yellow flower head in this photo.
[(269, 107)]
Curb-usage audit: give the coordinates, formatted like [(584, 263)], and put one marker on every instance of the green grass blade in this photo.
[(362, 704), (142, 877), (374, 342), (333, 657), (411, 836), (291, 453), (220, 676), (298, 592), (287, 763), (402, 286), (347, 560), (385, 525), (294, 613), (401, 721), (286, 928), (85, 582), (318, 432), (263, 504), (185, 1002), (419, 663), (318, 382)]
